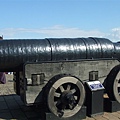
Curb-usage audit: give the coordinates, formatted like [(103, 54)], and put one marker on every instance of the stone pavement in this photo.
[(12, 108)]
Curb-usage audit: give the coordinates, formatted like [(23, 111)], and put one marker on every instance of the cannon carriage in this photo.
[(53, 71)]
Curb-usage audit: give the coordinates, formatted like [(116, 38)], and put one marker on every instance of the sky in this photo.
[(39, 19)]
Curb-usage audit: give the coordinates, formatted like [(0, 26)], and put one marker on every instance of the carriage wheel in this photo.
[(65, 95), (116, 87), (113, 84)]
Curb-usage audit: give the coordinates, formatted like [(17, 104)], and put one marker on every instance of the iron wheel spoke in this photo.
[(57, 94), (73, 91), (76, 97), (68, 87), (62, 88)]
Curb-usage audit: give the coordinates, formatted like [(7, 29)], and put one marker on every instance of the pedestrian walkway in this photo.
[(12, 108)]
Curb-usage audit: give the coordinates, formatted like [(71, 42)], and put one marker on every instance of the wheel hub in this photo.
[(66, 99)]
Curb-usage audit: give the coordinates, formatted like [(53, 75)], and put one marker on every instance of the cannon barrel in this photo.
[(15, 52)]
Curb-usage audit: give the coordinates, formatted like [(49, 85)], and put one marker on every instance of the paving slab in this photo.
[(6, 116), (12, 104), (3, 105), (1, 98)]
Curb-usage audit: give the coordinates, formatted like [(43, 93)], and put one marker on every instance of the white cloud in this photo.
[(60, 32), (114, 34)]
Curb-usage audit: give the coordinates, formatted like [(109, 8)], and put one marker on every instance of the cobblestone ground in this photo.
[(6, 89)]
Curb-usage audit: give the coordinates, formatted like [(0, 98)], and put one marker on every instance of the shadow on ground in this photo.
[(11, 107)]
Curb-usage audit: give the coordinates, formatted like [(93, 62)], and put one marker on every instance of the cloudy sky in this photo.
[(60, 18)]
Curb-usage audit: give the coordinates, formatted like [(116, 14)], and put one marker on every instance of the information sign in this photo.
[(95, 85)]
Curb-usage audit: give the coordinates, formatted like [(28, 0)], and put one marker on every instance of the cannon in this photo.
[(54, 70), (14, 53)]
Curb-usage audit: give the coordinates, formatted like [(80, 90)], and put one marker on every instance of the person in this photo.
[(2, 78)]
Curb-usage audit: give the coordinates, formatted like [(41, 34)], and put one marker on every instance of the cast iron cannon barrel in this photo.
[(15, 52)]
